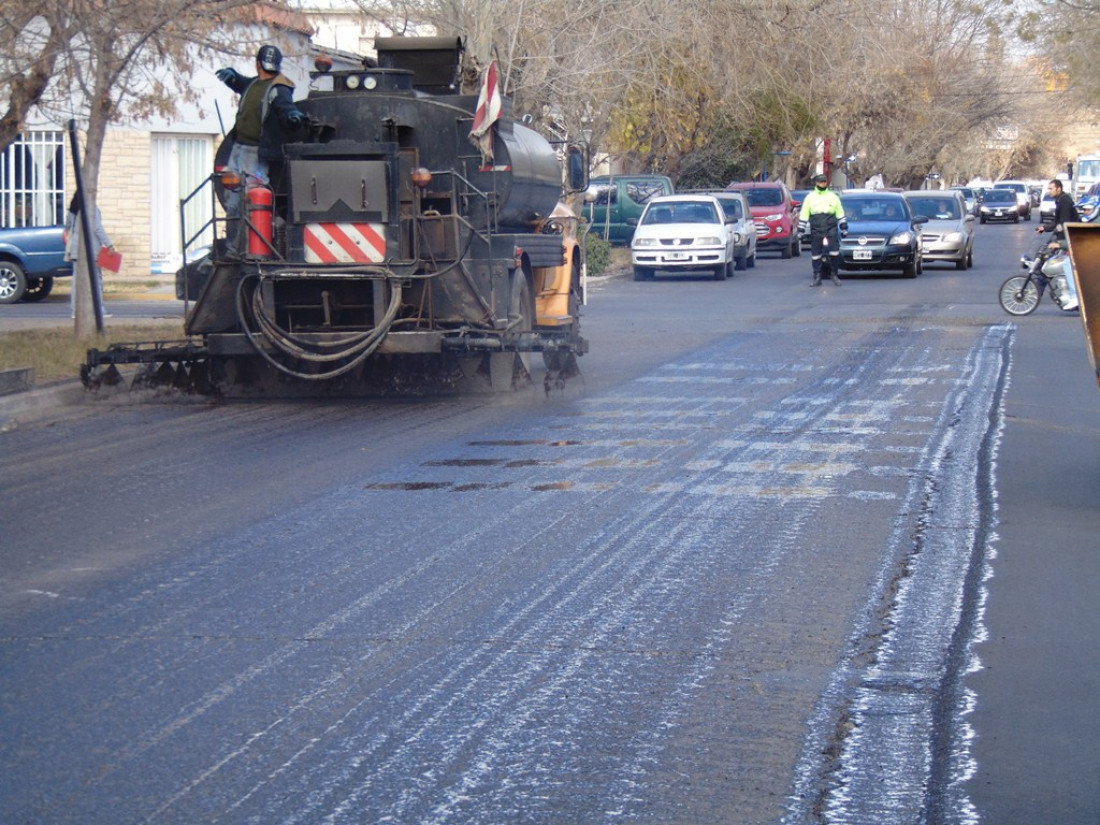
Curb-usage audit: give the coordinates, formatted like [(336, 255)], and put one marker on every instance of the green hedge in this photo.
[(597, 253)]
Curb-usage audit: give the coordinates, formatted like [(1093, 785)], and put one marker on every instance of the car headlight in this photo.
[(953, 237), (778, 216), (645, 242), (737, 237), (902, 238), (711, 241)]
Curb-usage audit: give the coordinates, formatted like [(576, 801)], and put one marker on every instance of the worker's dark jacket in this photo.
[(276, 104)]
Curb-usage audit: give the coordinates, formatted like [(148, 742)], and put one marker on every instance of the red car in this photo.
[(775, 215)]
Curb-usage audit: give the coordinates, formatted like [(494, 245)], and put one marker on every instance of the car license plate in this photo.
[(676, 256), (861, 254)]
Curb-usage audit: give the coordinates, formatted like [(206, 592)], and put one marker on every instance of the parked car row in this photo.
[(887, 231)]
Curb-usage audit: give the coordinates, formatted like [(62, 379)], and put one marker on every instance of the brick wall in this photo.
[(124, 197)]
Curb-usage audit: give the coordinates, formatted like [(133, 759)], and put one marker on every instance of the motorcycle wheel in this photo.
[(1019, 295)]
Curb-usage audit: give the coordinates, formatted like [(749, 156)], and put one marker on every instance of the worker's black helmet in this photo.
[(269, 58)]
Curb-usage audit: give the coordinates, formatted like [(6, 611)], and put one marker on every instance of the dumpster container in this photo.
[(1084, 250)]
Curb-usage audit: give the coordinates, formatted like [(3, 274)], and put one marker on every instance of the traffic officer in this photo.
[(822, 218)]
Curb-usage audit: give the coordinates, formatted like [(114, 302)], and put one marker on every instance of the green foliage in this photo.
[(597, 253)]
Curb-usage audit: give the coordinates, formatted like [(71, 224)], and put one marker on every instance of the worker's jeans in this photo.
[(246, 162)]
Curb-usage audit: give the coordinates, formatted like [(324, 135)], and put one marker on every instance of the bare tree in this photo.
[(37, 34), (103, 62), (729, 84)]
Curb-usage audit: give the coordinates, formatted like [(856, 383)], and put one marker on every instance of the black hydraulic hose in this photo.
[(358, 352)]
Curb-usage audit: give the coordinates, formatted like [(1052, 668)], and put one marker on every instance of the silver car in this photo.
[(947, 229), (971, 198), (739, 215)]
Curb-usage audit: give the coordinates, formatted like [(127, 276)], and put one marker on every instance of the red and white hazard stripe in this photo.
[(332, 243)]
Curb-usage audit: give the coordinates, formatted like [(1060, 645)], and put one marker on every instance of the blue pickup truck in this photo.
[(30, 258)]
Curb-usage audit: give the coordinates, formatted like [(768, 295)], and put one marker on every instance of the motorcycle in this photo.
[(1020, 294)]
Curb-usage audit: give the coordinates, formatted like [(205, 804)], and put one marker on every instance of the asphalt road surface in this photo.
[(779, 555)]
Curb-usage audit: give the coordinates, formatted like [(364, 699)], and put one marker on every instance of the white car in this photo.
[(685, 233)]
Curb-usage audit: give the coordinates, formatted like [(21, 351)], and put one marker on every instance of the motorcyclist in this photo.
[(1064, 212), (822, 218)]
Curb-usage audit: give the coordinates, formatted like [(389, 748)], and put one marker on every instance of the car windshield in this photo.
[(935, 208), (732, 207), (680, 212), (875, 209), (764, 197), (1000, 196)]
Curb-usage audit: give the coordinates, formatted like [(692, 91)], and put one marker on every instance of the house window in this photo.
[(32, 180), (180, 164)]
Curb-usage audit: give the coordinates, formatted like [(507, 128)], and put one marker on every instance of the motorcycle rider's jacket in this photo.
[(822, 210)]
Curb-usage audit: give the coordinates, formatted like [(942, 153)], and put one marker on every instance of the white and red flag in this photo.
[(488, 112)]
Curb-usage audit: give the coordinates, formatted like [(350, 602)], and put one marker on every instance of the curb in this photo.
[(24, 406)]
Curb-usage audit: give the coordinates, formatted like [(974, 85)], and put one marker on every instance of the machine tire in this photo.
[(1019, 296), (750, 262), (503, 365), (970, 259), (911, 270), (742, 262), (796, 247), (13, 282), (643, 273), (720, 272), (38, 289)]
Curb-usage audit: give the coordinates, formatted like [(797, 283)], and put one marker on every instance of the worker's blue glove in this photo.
[(226, 75)]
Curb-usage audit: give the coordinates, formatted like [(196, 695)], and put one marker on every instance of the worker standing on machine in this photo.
[(266, 120)]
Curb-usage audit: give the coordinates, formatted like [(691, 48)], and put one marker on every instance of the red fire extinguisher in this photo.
[(261, 214)]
